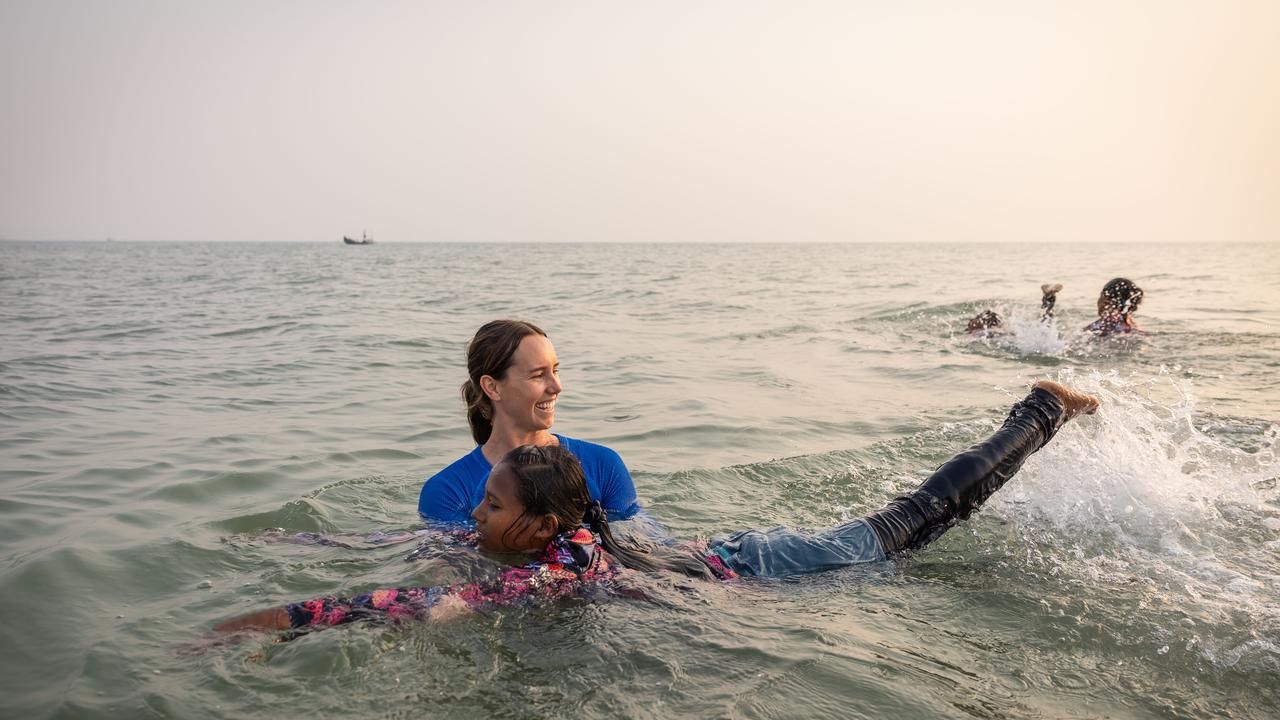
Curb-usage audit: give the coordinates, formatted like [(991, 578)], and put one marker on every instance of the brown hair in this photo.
[(1122, 295), (984, 320), (490, 353), (550, 481)]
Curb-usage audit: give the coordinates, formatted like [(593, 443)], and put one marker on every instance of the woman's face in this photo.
[(525, 398), (500, 517)]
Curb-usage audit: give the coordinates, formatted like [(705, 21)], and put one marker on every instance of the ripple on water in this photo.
[(211, 486), (1128, 571)]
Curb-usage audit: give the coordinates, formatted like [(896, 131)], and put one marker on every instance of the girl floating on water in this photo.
[(536, 503)]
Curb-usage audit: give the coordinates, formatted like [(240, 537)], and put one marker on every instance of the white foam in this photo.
[(1025, 334), (1140, 497), (1143, 461)]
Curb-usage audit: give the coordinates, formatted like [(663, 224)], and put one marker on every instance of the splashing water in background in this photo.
[(1027, 335), (1174, 515), (1024, 334)]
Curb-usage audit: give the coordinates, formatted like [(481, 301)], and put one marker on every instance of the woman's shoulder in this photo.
[(585, 449), (450, 494), (608, 478), (467, 466)]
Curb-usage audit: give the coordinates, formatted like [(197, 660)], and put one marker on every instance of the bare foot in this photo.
[(1074, 402)]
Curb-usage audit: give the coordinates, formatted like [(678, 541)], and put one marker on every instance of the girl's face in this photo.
[(501, 521), (526, 395)]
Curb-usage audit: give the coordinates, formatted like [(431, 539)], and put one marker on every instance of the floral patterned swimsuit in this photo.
[(571, 563)]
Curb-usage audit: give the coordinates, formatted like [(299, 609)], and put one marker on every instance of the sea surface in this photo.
[(162, 406)]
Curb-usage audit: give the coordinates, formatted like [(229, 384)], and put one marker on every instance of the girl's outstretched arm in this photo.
[(430, 604)]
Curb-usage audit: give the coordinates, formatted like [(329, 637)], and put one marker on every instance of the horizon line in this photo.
[(642, 242)]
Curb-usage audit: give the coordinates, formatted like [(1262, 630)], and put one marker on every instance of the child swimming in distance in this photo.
[(536, 506), (1117, 303), (988, 323), (984, 324)]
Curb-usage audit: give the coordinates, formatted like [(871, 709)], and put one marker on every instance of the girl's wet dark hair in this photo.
[(984, 320), (490, 353), (549, 480), (1122, 295)]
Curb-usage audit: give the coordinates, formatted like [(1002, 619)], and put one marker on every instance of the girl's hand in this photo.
[(448, 608)]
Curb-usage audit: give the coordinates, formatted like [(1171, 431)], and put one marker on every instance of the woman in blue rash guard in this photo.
[(510, 393)]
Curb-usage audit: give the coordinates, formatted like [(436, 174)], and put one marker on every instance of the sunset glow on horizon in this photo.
[(671, 122)]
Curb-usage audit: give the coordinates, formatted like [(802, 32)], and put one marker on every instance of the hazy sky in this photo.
[(643, 121)]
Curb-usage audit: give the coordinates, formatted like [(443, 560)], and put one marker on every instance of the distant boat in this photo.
[(364, 239)]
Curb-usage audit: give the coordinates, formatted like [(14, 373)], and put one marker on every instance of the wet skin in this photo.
[(524, 398), (502, 522)]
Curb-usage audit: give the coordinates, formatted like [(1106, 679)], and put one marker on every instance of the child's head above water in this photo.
[(536, 493), (532, 494), (985, 320), (1119, 297)]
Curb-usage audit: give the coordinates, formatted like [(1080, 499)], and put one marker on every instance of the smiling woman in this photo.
[(511, 390)]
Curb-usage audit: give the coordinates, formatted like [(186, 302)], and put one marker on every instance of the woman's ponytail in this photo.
[(479, 412)]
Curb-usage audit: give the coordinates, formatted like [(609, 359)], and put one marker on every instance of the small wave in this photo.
[(238, 332), (431, 434), (219, 440), (304, 515), (137, 332), (781, 331), (372, 454), (221, 485)]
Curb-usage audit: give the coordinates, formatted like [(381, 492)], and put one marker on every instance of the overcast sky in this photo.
[(643, 121)]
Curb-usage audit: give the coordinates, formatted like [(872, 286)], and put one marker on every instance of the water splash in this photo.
[(1021, 332), (1162, 512), (1149, 458), (1025, 334)]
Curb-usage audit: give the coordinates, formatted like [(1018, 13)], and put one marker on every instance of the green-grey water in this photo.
[(162, 404)]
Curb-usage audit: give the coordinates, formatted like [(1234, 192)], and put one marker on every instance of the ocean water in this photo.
[(163, 404)]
